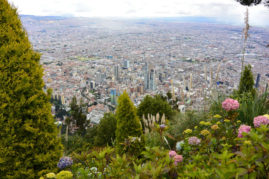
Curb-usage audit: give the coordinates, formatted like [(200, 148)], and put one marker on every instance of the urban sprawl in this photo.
[(97, 59)]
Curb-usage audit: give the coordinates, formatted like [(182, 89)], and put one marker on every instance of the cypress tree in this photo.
[(129, 135), (246, 81), (29, 146)]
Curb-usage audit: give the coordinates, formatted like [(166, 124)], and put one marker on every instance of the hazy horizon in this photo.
[(228, 12)]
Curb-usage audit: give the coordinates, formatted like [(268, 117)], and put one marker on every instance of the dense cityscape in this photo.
[(97, 59)]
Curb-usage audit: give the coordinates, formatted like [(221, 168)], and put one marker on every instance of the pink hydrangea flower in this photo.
[(230, 104), (177, 159), (258, 121), (243, 128), (172, 153), (194, 141)]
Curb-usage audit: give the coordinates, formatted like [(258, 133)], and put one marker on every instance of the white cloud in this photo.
[(225, 11)]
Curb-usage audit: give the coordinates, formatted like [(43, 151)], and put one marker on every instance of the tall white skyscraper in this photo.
[(146, 77), (126, 64), (152, 84), (116, 72)]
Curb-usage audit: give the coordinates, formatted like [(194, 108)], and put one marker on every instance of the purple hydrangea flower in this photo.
[(194, 141), (259, 120), (65, 162), (162, 126)]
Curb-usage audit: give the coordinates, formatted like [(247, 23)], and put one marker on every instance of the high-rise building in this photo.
[(92, 84), (205, 71), (113, 96), (152, 85), (258, 80), (146, 77), (116, 73), (190, 84), (126, 64), (100, 77)]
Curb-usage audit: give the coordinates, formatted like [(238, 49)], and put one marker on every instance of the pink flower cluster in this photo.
[(243, 128), (177, 158), (230, 104), (194, 141), (259, 120), (172, 153)]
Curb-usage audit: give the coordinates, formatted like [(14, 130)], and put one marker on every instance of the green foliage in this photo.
[(91, 134), (78, 117), (60, 111), (246, 84), (29, 146), (216, 104), (252, 107), (219, 154), (106, 130), (153, 139), (154, 105), (76, 143), (129, 136), (188, 120), (64, 175)]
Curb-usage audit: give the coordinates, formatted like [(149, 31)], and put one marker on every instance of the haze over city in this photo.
[(228, 11)]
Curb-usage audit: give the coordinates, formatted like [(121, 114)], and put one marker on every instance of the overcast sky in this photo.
[(224, 10)]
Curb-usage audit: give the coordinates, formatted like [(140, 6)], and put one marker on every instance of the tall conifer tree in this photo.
[(29, 146), (246, 84), (129, 135)]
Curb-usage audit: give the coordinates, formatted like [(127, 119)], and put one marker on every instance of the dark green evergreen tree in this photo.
[(129, 135), (246, 84), (29, 146), (106, 130), (78, 117)]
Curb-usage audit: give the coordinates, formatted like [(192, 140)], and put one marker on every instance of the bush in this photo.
[(106, 130), (129, 135), (219, 147), (153, 105), (64, 175), (251, 107), (182, 121), (246, 84), (29, 146)]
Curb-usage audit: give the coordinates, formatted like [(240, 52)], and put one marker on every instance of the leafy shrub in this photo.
[(64, 175), (182, 122), (129, 135), (153, 105), (106, 130), (77, 143), (153, 139), (251, 107)]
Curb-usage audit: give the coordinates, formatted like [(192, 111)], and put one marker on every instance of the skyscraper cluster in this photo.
[(149, 78)]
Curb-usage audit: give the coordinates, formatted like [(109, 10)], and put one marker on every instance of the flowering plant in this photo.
[(65, 162), (230, 104)]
